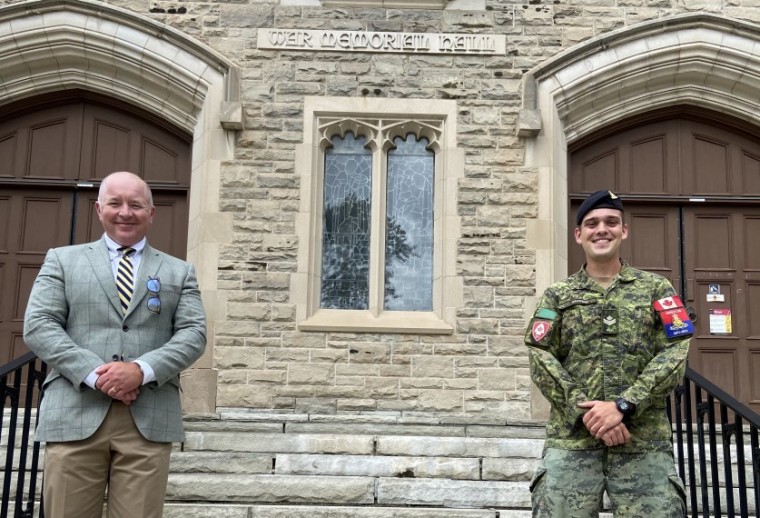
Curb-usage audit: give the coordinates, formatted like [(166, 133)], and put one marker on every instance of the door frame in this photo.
[(179, 79)]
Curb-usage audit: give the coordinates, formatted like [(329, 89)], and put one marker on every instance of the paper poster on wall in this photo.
[(720, 321)]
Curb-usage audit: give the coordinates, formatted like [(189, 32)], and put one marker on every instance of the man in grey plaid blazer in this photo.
[(111, 403)]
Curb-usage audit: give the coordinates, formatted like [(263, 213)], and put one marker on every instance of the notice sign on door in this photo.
[(714, 294), (720, 321)]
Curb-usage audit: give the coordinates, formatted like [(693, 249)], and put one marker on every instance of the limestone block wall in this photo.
[(264, 361)]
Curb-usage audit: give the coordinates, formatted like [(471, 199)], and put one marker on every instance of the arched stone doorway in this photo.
[(701, 61), (690, 180), (56, 149), (49, 46)]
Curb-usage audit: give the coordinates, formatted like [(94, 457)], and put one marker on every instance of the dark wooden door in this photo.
[(31, 222), (723, 285), (167, 233), (653, 242), (53, 154), (690, 186)]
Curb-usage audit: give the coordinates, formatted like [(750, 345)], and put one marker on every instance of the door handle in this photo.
[(692, 314)]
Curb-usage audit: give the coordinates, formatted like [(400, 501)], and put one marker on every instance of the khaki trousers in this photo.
[(116, 457)]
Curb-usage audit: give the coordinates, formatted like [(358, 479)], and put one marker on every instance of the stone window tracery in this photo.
[(379, 219), (403, 217)]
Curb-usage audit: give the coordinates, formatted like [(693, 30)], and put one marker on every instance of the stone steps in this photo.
[(361, 465), (238, 464), (374, 466), (290, 511), (347, 490)]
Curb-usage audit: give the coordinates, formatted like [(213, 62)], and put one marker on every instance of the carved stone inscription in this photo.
[(358, 41)]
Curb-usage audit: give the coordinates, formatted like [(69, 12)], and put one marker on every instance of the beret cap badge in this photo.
[(598, 200)]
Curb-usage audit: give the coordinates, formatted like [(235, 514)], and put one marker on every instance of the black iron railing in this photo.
[(716, 438), (717, 449), (20, 388)]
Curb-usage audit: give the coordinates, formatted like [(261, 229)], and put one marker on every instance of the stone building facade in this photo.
[(263, 87)]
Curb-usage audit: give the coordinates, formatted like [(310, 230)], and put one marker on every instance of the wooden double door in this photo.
[(53, 154), (691, 192)]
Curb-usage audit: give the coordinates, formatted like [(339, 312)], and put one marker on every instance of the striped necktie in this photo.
[(125, 279)]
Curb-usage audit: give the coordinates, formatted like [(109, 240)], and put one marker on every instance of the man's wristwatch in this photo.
[(625, 407)]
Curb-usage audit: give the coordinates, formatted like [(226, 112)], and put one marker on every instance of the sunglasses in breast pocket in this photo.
[(154, 299)]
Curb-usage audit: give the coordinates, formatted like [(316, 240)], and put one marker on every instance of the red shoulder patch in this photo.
[(540, 329)]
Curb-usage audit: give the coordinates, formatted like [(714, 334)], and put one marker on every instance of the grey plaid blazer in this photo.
[(74, 322)]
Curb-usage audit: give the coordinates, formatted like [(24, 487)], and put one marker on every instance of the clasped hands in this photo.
[(605, 422), (120, 380)]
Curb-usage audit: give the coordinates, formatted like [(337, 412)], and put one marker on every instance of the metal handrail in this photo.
[(691, 408), (21, 393), (706, 441)]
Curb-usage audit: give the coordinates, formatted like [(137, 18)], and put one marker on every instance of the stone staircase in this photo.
[(239, 463), (243, 464)]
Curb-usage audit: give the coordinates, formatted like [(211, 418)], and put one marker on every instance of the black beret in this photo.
[(598, 200)]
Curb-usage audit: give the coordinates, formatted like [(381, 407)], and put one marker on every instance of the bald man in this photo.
[(117, 321)]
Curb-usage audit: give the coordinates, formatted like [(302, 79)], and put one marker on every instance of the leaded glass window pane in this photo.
[(345, 224), (409, 226)]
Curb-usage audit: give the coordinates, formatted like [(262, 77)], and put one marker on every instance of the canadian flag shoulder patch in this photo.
[(674, 317), (671, 302)]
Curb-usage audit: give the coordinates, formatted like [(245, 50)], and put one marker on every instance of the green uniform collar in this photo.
[(583, 280)]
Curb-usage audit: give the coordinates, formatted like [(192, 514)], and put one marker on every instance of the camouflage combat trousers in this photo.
[(571, 483)]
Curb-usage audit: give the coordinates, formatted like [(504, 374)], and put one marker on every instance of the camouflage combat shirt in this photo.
[(603, 344)]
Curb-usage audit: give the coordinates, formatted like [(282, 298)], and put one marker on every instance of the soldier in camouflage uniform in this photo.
[(606, 346)]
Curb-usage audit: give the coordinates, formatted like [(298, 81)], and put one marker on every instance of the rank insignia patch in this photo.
[(610, 321)]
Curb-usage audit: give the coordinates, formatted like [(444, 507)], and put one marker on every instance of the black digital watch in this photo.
[(625, 407)]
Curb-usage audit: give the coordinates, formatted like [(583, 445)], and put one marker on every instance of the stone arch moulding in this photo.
[(698, 59), (54, 45), (702, 60)]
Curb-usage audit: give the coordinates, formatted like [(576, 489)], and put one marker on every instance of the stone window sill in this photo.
[(353, 321), (388, 4)]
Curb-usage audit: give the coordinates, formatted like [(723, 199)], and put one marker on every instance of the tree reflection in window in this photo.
[(346, 251), (345, 230), (409, 226)]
